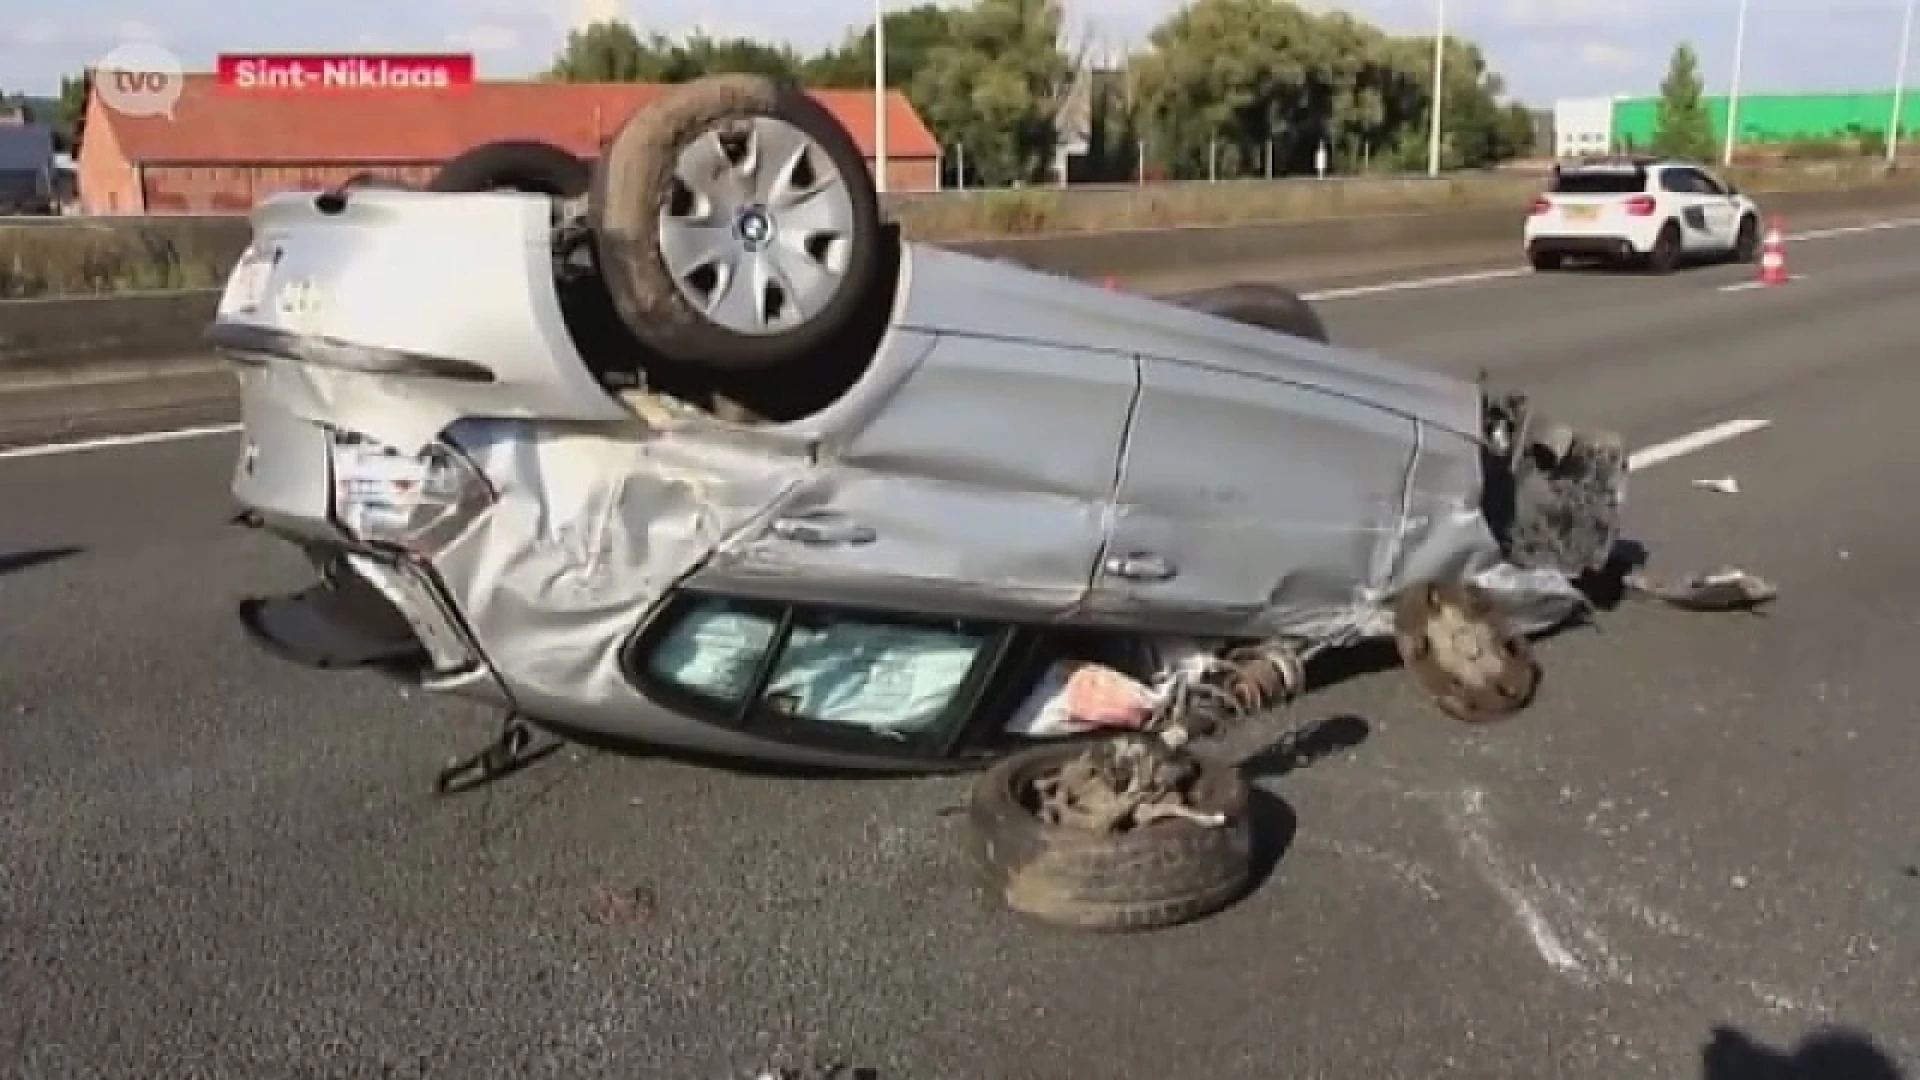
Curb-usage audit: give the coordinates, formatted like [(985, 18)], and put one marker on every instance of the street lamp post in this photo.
[(1439, 74), (1733, 89), (1900, 85), (880, 95)]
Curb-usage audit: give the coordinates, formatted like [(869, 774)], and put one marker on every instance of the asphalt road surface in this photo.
[(213, 864)]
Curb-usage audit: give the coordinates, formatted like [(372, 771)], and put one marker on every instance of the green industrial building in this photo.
[(1779, 118)]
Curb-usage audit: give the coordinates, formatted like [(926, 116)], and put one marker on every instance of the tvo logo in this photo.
[(139, 79)]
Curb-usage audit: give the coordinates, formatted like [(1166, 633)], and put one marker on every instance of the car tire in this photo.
[(1160, 874), (515, 165), (1460, 650), (1746, 247), (1252, 303), (1665, 255), (1546, 261), (663, 287)]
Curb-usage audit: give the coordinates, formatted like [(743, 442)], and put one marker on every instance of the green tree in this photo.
[(613, 52), (912, 36), (1684, 127), (605, 52), (994, 85), (1229, 81)]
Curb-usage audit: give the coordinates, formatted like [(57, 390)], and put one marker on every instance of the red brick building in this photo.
[(223, 150)]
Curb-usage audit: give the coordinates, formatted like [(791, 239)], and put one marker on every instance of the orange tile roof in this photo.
[(211, 125)]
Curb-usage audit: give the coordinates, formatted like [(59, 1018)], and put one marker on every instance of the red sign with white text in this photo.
[(317, 72)]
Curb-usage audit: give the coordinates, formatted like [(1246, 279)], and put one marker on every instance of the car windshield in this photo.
[(1600, 182)]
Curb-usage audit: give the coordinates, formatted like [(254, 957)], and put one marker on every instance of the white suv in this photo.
[(1651, 211)]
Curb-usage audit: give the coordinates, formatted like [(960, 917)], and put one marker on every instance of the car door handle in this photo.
[(823, 531), (1139, 566)]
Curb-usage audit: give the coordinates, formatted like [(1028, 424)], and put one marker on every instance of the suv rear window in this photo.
[(1600, 182)]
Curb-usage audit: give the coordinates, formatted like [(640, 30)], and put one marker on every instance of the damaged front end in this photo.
[(1553, 496)]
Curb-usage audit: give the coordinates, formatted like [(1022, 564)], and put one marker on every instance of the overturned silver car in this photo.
[(688, 448)]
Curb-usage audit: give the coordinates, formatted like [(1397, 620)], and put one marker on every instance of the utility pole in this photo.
[(1733, 90), (1900, 86), (1439, 77), (880, 95)]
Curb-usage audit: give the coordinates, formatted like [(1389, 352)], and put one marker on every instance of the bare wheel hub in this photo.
[(1463, 653)]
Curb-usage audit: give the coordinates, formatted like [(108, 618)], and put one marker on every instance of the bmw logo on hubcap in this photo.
[(755, 227)]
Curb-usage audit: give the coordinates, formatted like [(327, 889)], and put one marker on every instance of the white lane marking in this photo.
[(115, 442), (1503, 273), (1747, 286), (1415, 284), (1854, 230), (1648, 456)]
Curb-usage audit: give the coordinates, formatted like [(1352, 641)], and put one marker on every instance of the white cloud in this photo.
[(1571, 14), (1600, 56), (587, 12), (488, 38), (137, 30)]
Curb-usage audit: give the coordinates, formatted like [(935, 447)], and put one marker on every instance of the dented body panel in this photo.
[(1023, 448)]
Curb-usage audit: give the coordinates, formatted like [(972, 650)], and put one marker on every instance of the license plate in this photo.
[(1582, 213)]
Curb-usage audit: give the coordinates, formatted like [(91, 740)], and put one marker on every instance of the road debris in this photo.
[(1726, 485), (1122, 785), (1727, 589), (833, 1071), (610, 906)]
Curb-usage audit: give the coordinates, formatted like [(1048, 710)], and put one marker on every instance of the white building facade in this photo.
[(1582, 126)]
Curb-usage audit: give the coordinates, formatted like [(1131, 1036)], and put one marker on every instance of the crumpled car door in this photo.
[(981, 488), (1250, 504)]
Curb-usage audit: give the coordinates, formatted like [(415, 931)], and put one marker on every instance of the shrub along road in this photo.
[(212, 864)]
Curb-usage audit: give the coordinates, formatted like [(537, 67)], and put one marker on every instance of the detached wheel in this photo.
[(1463, 653), (1269, 307), (516, 165), (1162, 873), (736, 224)]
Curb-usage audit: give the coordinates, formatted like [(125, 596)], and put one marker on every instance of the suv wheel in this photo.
[(1746, 249), (1666, 250)]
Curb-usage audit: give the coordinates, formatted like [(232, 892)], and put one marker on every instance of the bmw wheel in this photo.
[(736, 225)]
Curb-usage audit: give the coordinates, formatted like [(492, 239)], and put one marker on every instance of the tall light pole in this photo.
[(1900, 86), (880, 95), (1439, 76), (1733, 89)]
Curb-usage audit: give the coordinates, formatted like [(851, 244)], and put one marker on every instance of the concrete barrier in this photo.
[(67, 340), (87, 255), (43, 340)]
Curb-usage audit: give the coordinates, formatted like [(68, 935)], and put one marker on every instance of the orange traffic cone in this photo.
[(1773, 257)]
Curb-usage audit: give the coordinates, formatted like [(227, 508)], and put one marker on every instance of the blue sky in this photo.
[(1547, 48)]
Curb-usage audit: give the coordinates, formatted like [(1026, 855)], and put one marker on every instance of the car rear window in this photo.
[(1600, 182)]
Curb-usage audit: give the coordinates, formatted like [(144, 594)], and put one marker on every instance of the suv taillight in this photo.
[(1640, 206), (1541, 204)]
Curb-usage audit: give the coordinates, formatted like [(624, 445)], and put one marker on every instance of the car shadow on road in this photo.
[(1302, 746), (26, 560), (1274, 826), (1827, 1054)]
